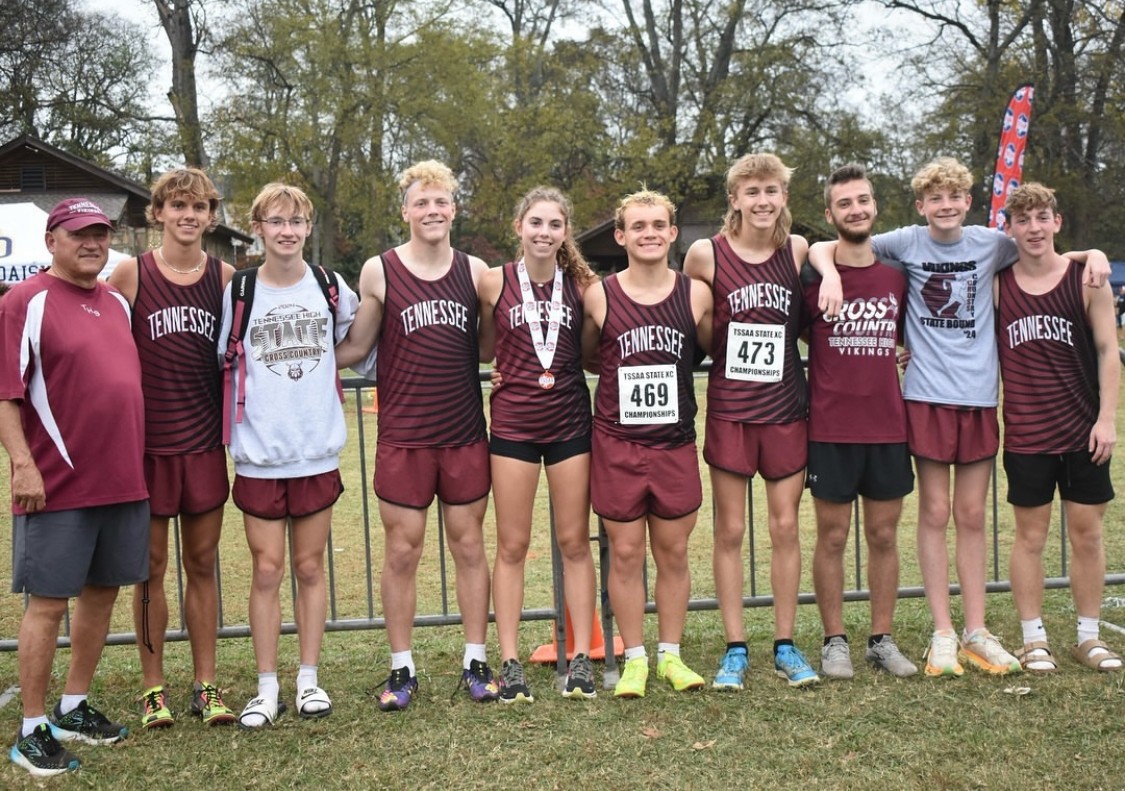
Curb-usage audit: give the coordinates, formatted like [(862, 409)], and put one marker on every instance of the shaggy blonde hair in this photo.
[(192, 183), (284, 196), (1029, 197), (764, 167)]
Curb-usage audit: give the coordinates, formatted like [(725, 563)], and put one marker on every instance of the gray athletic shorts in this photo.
[(55, 554)]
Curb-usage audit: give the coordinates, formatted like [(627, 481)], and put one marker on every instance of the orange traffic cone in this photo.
[(548, 653), (374, 408)]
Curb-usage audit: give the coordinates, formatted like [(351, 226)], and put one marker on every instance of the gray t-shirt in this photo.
[(950, 325)]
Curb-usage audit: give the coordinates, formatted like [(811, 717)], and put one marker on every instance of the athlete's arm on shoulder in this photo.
[(488, 292), (594, 308), (699, 263), (822, 258), (1103, 322), (1097, 270), (893, 244), (1006, 251), (124, 279), (364, 332), (702, 308)]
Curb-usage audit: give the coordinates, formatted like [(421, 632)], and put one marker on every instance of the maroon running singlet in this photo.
[(175, 328), (1049, 365), (427, 368), (757, 375), (646, 394), (523, 410)]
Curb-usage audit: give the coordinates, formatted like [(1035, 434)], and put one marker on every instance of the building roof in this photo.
[(115, 200)]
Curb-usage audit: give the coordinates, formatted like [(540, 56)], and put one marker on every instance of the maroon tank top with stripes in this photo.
[(522, 410), (767, 295), (646, 367), (176, 328), (427, 368), (1049, 366)]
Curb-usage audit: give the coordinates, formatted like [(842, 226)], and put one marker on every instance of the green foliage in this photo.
[(593, 97), (1071, 51), (73, 78)]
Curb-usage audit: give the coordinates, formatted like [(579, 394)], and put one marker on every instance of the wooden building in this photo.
[(32, 171)]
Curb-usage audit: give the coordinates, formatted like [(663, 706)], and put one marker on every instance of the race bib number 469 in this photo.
[(647, 394), (755, 352)]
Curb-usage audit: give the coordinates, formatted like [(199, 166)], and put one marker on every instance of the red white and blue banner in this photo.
[(1009, 155)]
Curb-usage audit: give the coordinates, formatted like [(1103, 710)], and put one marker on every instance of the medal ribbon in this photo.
[(544, 347)]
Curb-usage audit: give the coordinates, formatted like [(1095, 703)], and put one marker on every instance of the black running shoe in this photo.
[(86, 724), (513, 683), (41, 754), (479, 682), (580, 679)]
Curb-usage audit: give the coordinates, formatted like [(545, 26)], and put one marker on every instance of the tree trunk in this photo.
[(177, 20)]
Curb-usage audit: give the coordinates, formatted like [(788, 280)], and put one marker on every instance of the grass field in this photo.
[(876, 731)]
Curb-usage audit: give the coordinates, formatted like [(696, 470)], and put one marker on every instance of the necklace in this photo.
[(196, 268)]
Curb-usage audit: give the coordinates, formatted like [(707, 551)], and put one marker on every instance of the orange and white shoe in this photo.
[(982, 650), (941, 656)]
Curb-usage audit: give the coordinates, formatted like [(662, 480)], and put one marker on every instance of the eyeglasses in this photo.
[(277, 223)]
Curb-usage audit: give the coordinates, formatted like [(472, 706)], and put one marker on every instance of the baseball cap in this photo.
[(74, 214)]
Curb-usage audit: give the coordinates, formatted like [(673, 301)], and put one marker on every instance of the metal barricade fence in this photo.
[(447, 617)]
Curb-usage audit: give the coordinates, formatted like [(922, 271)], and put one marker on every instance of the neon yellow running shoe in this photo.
[(154, 709), (207, 704), (634, 677), (679, 675)]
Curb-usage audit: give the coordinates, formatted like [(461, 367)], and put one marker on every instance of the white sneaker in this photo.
[(941, 656), (885, 655), (836, 659)]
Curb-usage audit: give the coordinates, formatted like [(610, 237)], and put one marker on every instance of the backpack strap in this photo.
[(241, 300), (326, 279)]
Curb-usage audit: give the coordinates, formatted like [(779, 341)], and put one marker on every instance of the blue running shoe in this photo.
[(789, 663), (731, 671)]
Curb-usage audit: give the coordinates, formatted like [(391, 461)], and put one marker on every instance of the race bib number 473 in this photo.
[(755, 352), (647, 394)]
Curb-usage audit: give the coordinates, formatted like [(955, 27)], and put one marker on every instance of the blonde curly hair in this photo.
[(944, 173), (429, 173)]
